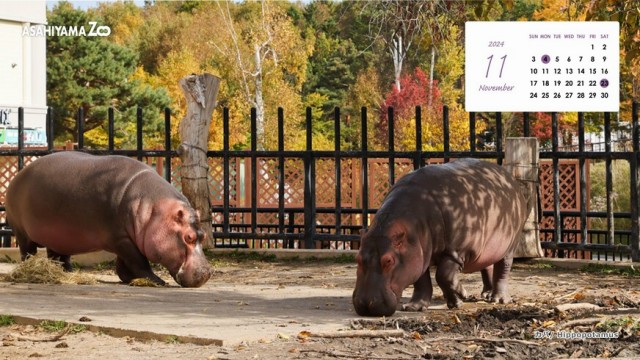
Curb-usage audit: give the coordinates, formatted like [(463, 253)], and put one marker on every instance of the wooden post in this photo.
[(200, 92), (522, 159)]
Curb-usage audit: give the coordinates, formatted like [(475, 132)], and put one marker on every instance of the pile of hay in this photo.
[(41, 270)]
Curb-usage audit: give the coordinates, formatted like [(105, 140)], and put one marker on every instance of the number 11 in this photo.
[(489, 66)]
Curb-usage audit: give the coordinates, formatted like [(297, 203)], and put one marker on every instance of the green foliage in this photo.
[(172, 339), (59, 325), (609, 269), (94, 74), (630, 323), (241, 256), (320, 54), (52, 325), (7, 320)]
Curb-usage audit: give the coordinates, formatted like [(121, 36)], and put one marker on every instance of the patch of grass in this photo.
[(59, 325), (229, 258), (105, 265), (608, 270), (239, 256), (543, 265), (172, 340), (617, 324), (6, 320), (52, 325), (337, 259)]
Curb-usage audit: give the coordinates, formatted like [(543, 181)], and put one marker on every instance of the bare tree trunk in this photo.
[(200, 92), (259, 101), (397, 53), (433, 58)]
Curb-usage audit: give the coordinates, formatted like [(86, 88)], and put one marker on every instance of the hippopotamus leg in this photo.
[(500, 280), (27, 247), (447, 279), (131, 264), (422, 292), (64, 259), (487, 282)]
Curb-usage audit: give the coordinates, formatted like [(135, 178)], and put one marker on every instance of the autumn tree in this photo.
[(263, 47), (398, 24), (94, 74)]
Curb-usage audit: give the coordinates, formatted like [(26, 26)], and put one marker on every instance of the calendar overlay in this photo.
[(542, 66)]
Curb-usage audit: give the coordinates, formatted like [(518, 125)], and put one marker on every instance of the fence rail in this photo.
[(315, 198)]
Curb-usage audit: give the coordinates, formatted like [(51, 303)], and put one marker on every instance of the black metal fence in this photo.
[(298, 226)]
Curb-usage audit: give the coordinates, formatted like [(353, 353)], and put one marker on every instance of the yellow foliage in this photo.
[(560, 10)]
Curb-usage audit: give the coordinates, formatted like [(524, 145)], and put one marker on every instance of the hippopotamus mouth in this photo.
[(384, 303), (197, 279)]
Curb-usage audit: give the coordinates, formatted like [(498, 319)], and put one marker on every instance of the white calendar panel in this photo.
[(542, 66)]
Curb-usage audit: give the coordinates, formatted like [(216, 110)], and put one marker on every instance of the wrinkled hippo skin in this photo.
[(72, 203), (462, 216)]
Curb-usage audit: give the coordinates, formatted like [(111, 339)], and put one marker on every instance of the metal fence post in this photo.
[(557, 219), (20, 137), (635, 190), (364, 168), (80, 124), (309, 187), (417, 160)]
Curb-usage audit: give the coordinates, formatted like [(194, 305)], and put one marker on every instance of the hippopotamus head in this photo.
[(174, 239), (390, 259)]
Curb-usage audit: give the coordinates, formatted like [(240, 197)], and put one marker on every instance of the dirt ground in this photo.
[(535, 326)]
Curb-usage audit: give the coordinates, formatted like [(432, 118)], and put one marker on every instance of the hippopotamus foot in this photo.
[(487, 283), (420, 305), (127, 273), (501, 271), (422, 293), (64, 259), (501, 298), (447, 279)]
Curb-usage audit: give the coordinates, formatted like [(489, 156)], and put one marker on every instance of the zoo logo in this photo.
[(42, 30)]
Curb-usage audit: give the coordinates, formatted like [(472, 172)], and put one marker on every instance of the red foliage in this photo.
[(541, 127), (414, 91)]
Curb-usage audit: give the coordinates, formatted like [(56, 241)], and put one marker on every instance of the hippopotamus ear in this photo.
[(398, 234), (180, 217)]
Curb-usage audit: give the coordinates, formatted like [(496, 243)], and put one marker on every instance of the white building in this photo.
[(23, 66)]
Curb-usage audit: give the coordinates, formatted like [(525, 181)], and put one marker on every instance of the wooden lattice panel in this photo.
[(569, 195), (379, 178)]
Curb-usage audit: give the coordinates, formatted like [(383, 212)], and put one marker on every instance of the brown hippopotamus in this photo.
[(72, 203), (461, 216)]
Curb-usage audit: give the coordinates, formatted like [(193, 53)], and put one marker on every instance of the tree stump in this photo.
[(522, 159), (200, 92)]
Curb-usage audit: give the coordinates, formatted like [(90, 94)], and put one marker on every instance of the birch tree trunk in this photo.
[(200, 92), (259, 101)]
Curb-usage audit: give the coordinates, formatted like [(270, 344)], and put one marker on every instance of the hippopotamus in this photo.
[(72, 202), (463, 216)]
